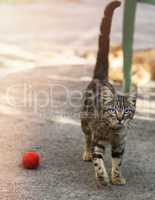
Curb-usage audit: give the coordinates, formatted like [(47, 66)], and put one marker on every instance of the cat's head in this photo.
[(118, 109)]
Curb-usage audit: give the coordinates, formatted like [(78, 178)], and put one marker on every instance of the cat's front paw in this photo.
[(101, 174), (102, 181), (87, 156), (118, 181)]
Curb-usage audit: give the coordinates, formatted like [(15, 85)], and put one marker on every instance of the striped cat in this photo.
[(105, 114)]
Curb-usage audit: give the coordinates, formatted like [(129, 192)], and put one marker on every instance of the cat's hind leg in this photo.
[(87, 153)]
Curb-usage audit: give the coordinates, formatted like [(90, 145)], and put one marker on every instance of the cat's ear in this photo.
[(132, 97), (107, 95)]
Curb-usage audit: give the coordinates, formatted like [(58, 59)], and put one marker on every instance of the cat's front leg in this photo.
[(117, 155), (98, 152)]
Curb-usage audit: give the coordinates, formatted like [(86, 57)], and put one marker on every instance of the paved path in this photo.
[(29, 121)]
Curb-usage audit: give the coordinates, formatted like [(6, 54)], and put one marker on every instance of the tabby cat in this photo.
[(105, 114)]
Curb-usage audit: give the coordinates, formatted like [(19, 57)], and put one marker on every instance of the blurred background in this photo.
[(46, 32)]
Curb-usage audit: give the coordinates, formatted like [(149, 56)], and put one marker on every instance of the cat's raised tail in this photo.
[(102, 63)]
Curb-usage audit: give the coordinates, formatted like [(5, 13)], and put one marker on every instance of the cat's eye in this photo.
[(112, 110), (127, 110)]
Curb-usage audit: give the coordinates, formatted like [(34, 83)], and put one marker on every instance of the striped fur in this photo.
[(102, 63), (105, 114)]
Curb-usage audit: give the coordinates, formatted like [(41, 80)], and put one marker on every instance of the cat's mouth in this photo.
[(118, 126)]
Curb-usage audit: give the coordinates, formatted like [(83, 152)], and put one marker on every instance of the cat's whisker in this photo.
[(132, 124)]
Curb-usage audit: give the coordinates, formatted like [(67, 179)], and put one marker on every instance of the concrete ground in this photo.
[(36, 115), (28, 121)]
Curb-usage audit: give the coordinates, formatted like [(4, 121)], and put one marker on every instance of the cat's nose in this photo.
[(119, 117), (119, 120)]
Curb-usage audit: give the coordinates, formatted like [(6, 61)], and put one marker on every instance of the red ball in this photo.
[(30, 160)]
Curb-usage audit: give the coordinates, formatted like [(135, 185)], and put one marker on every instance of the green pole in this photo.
[(147, 1), (128, 33)]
